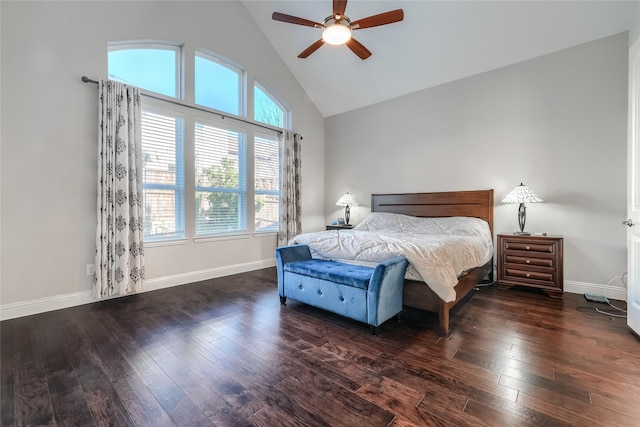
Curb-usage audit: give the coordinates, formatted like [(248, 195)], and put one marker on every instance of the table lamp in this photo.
[(522, 194), (346, 201)]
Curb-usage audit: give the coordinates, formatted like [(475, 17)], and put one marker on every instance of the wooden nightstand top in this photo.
[(532, 235), (340, 227)]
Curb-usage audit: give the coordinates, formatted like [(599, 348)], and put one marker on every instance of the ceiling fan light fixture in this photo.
[(336, 32)]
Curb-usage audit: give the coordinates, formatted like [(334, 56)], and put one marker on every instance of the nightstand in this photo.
[(534, 261), (340, 227)]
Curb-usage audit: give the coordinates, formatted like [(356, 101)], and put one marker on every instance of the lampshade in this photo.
[(522, 194), (336, 32), (347, 200)]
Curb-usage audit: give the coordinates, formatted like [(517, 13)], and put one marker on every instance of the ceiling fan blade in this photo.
[(380, 19), (308, 51), (339, 7), (277, 16), (358, 48)]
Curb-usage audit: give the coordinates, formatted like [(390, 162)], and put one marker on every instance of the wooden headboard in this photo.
[(478, 204)]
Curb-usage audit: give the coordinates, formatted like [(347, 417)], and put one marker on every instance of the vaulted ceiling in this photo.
[(437, 42)]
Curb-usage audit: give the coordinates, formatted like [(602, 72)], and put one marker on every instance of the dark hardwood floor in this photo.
[(225, 352)]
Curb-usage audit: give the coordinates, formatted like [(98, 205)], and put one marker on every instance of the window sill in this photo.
[(221, 237), (262, 234), (159, 243)]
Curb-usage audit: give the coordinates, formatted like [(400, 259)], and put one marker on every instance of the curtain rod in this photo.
[(182, 104)]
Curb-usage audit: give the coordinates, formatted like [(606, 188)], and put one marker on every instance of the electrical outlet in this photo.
[(91, 269)]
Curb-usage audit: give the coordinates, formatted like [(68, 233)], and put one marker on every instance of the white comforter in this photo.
[(439, 250)]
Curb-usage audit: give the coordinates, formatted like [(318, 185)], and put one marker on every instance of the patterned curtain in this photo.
[(290, 211), (119, 250)]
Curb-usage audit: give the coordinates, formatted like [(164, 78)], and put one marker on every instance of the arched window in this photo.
[(224, 202), (267, 109), (151, 66), (218, 84)]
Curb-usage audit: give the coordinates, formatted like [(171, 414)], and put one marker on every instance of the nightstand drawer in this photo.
[(514, 259), (548, 248), (514, 273)]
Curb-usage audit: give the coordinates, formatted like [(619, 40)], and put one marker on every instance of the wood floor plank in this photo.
[(141, 405), (348, 408), (209, 401), (178, 405), (7, 384), (105, 404), (396, 398), (32, 402), (67, 398)]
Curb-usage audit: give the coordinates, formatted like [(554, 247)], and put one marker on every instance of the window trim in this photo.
[(179, 186), (276, 100), (227, 63), (256, 192), (243, 178), (187, 110), (159, 45)]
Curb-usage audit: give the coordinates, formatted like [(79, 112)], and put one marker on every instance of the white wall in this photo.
[(556, 123), (49, 138), (634, 33)]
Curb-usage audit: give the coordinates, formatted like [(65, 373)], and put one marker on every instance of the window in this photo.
[(154, 67), (218, 84), (267, 109), (267, 182), (267, 160), (221, 183), (163, 173), (224, 201)]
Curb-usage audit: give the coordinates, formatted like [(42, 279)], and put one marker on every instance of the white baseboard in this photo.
[(57, 302), (41, 305), (615, 291)]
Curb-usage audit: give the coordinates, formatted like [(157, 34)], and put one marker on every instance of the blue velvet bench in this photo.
[(368, 294)]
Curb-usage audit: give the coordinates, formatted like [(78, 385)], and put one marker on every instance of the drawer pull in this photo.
[(527, 247), (528, 261), (528, 275)]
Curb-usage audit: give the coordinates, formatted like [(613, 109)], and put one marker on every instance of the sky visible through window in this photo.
[(150, 69), (216, 86), (266, 110)]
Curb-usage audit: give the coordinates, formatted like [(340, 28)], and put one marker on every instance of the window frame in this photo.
[(159, 45), (276, 100), (226, 63), (256, 192), (190, 112), (179, 186), (243, 172)]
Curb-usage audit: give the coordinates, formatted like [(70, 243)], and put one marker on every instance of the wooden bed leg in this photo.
[(443, 314), (283, 300), (374, 330)]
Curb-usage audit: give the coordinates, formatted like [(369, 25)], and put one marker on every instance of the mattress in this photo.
[(439, 250)]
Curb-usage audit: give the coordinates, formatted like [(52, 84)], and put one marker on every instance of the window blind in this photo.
[(163, 177), (220, 164), (267, 182)]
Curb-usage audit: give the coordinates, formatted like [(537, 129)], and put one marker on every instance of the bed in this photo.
[(440, 206)]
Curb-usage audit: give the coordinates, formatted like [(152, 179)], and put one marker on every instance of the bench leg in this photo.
[(283, 300)]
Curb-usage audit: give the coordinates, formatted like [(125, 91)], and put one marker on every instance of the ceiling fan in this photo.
[(337, 28)]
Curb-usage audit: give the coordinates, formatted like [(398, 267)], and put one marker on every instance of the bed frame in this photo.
[(477, 204)]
